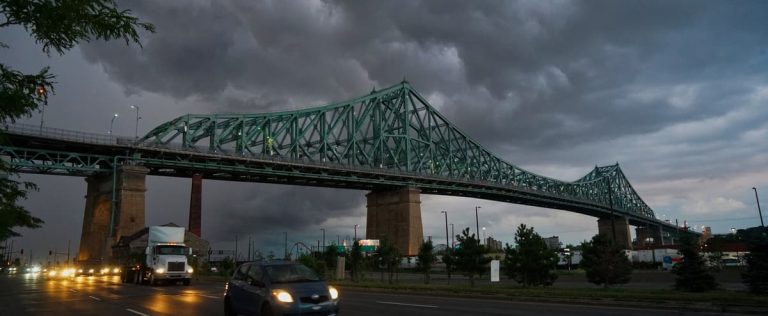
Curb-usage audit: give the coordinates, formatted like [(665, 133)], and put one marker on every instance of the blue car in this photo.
[(278, 288)]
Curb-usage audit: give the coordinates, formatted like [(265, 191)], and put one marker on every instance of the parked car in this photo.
[(277, 288)]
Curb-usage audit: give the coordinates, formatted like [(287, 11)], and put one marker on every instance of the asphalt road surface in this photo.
[(28, 295)]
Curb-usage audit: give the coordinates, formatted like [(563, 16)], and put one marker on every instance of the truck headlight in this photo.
[(190, 270), (160, 270), (283, 296), (334, 292), (115, 270)]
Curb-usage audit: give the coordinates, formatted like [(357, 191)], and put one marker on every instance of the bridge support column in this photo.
[(95, 242), (396, 215), (644, 233), (605, 226)]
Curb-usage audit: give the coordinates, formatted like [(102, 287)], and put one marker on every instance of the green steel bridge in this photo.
[(390, 138)]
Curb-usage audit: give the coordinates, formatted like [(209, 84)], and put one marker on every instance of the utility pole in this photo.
[(446, 228), (286, 245), (477, 221), (323, 229), (760, 212), (453, 242)]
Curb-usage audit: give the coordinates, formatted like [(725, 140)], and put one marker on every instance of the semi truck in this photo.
[(163, 258)]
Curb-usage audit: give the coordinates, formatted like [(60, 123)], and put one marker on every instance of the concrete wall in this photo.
[(396, 215)]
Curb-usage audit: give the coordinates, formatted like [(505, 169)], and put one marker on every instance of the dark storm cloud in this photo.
[(267, 208), (558, 72)]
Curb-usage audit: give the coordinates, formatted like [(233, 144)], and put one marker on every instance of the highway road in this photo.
[(26, 295)]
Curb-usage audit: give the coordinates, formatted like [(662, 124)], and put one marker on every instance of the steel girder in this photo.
[(393, 129), (28, 160)]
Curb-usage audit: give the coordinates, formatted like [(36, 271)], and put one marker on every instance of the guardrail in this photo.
[(68, 135)]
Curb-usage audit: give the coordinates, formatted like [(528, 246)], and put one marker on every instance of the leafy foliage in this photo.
[(313, 263), (605, 262), (692, 273), (756, 274), (470, 257), (426, 258), (389, 257), (530, 262), (57, 25), (450, 262), (356, 261)]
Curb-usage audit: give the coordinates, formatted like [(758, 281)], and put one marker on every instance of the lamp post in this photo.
[(286, 245), (484, 236), (477, 221), (446, 228), (355, 238), (112, 123), (453, 243), (759, 212), (323, 229), (136, 134), (42, 93)]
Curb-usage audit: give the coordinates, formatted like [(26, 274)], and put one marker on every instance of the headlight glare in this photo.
[(190, 270), (160, 270), (334, 292), (283, 296)]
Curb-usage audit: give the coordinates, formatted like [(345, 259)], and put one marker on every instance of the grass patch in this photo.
[(717, 298)]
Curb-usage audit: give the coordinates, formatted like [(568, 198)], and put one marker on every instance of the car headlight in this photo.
[(283, 296), (334, 292), (79, 270), (52, 273), (90, 270), (190, 270), (115, 270), (160, 270)]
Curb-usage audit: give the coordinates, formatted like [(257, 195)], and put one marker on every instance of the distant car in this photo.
[(278, 288)]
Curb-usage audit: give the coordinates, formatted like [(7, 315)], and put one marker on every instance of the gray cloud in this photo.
[(675, 92)]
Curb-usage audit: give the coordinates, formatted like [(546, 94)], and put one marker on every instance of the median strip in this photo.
[(405, 304)]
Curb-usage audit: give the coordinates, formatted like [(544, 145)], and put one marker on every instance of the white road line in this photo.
[(73, 290), (208, 296), (95, 298), (135, 312), (404, 304)]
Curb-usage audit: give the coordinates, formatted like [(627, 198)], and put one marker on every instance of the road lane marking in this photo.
[(73, 290), (135, 312), (95, 298), (208, 296), (404, 304)]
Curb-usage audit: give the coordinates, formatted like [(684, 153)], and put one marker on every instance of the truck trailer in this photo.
[(163, 259)]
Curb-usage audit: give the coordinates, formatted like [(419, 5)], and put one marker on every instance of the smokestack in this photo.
[(195, 205)]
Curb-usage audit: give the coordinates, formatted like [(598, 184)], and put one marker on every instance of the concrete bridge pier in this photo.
[(95, 241), (619, 224), (396, 215), (645, 233)]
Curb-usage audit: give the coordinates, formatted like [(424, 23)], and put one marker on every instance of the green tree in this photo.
[(355, 261), (426, 258), (530, 262), (692, 273), (756, 274), (331, 256), (388, 257), (313, 263), (449, 261), (470, 257), (59, 26), (605, 262)]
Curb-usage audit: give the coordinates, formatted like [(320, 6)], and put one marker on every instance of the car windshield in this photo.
[(171, 250), (290, 273)]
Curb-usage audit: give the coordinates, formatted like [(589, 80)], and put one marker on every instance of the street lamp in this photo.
[(477, 222), (42, 93), (286, 245), (760, 212), (355, 238), (446, 227), (484, 236), (112, 123), (453, 243), (136, 135)]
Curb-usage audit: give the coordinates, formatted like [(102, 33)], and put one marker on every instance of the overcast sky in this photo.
[(674, 91)]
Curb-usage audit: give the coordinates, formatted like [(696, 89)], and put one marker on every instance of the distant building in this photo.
[(494, 245), (552, 242)]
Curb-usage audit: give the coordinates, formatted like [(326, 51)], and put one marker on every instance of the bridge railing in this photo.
[(67, 135)]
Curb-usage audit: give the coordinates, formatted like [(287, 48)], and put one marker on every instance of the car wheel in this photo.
[(266, 310)]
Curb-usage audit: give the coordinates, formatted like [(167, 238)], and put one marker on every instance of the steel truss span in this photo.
[(386, 139)]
